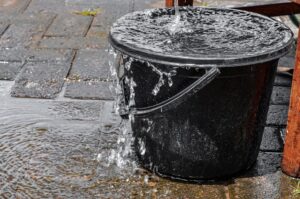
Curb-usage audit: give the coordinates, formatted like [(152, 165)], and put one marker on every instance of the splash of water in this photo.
[(162, 76), (122, 156)]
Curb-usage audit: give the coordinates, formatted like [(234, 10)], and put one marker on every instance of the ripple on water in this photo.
[(50, 149)]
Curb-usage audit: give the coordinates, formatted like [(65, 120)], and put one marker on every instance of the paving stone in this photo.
[(261, 187), (262, 181), (69, 25), (3, 27), (105, 20), (22, 35), (277, 115), (281, 95), (271, 140), (89, 90), (28, 18), (9, 7), (37, 55), (281, 80), (9, 70), (36, 6), (90, 65), (73, 42), (98, 31), (40, 80)]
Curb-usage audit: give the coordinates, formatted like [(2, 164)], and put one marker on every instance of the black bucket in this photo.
[(198, 115)]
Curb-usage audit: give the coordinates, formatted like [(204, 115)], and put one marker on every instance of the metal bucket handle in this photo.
[(180, 97)]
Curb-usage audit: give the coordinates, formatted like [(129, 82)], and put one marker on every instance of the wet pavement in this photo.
[(59, 137)]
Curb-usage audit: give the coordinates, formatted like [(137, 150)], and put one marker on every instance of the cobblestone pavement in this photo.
[(49, 52)]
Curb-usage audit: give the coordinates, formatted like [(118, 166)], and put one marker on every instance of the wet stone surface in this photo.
[(281, 80), (89, 90), (36, 55), (73, 42), (28, 18), (9, 70), (3, 27), (262, 181), (69, 25), (8, 7), (40, 80), (22, 35), (271, 140), (280, 95), (277, 115), (90, 65)]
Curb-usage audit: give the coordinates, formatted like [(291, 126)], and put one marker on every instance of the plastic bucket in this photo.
[(207, 123)]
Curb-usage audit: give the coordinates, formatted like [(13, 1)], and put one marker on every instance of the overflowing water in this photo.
[(195, 32)]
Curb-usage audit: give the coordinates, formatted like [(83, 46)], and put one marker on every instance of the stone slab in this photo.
[(9, 7), (281, 95), (37, 55), (28, 18), (271, 140), (98, 31), (37, 6), (22, 35), (89, 90), (277, 115), (3, 27), (69, 25), (40, 80), (9, 70), (283, 80), (90, 65), (73, 43), (262, 181)]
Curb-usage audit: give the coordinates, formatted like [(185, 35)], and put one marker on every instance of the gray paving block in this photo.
[(14, 7), (262, 181), (40, 80), (36, 6), (281, 80), (89, 90), (28, 18), (73, 42), (37, 55), (281, 95), (90, 65), (22, 35), (3, 27), (271, 140), (98, 31), (277, 115), (69, 25), (9, 70)]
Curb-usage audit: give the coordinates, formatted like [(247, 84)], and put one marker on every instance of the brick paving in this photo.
[(45, 47)]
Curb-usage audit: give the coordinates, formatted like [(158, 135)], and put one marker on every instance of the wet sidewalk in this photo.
[(58, 132)]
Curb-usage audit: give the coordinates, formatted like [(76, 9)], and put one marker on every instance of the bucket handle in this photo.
[(180, 97)]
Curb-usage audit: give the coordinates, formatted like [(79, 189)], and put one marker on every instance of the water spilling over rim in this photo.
[(216, 37)]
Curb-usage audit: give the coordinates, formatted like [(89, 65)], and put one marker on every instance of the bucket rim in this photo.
[(203, 62)]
